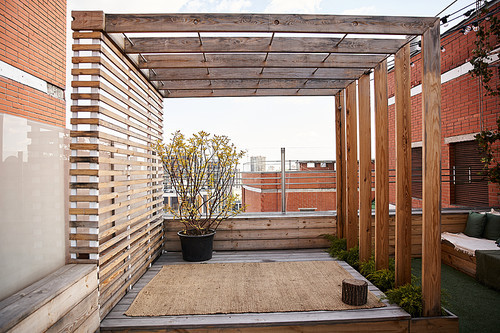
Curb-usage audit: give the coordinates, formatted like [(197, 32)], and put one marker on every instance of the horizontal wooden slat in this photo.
[(111, 149), (254, 84), (259, 60), (104, 224), (261, 44), (250, 92), (265, 23), (255, 73)]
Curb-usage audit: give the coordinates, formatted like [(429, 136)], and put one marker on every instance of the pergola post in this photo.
[(381, 167), (352, 225), (431, 173), (340, 163), (403, 166), (365, 172)]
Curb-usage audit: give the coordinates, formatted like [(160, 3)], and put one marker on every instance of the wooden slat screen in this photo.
[(116, 213)]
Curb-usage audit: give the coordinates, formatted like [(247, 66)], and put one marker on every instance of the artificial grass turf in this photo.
[(477, 306)]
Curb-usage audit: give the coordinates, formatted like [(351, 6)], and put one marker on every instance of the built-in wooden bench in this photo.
[(64, 301), (459, 260)]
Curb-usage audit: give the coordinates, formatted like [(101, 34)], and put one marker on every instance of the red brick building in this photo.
[(310, 188), (466, 109), (33, 59)]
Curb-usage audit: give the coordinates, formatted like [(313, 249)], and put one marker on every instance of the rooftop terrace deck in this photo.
[(386, 319)]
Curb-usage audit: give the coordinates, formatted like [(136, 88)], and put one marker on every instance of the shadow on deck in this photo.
[(387, 319)]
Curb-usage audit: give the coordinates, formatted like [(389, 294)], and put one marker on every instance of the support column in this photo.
[(431, 173), (381, 168), (352, 224), (403, 166), (365, 170), (340, 163)]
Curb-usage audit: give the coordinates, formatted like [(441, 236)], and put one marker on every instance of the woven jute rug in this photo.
[(245, 287)]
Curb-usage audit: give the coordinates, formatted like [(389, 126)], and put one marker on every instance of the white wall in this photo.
[(33, 201)]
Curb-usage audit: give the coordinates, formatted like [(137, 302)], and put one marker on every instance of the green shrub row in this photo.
[(408, 297)]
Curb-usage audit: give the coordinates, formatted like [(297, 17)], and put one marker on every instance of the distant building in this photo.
[(257, 163)]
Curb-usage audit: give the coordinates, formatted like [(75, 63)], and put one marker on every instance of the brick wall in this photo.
[(33, 39), (465, 109)]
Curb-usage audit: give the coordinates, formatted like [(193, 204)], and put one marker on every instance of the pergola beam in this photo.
[(352, 223), (365, 170), (254, 73), (249, 92), (381, 167), (340, 162), (264, 23), (431, 172), (274, 60), (261, 45), (403, 166), (254, 84)]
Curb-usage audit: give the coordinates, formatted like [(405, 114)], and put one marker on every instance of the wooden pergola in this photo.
[(221, 55)]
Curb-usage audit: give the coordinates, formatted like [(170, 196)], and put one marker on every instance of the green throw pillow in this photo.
[(475, 225), (492, 227)]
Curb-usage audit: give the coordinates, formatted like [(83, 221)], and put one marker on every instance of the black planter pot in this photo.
[(196, 248)]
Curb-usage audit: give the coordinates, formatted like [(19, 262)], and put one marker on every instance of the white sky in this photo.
[(305, 126)]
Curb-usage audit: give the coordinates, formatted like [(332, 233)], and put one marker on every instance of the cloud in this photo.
[(293, 6), (367, 10)]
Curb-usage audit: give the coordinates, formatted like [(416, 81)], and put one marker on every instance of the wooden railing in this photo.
[(300, 231), (116, 179)]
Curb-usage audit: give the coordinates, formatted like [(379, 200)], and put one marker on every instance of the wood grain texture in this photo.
[(255, 73), (87, 20), (266, 23), (44, 303), (365, 170), (235, 84), (261, 45), (403, 166), (340, 163), (250, 92), (114, 138), (352, 223), (273, 60), (431, 173), (381, 167)]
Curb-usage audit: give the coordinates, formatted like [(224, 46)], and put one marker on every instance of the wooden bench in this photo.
[(460, 261), (65, 300)]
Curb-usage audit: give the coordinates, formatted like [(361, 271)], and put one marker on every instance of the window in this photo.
[(310, 164), (470, 187), (416, 172)]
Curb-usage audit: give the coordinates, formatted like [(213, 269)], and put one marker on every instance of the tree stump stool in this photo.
[(354, 292)]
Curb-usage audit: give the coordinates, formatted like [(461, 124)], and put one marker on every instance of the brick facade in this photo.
[(465, 109), (33, 39)]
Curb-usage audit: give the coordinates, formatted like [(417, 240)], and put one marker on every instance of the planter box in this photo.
[(441, 324)]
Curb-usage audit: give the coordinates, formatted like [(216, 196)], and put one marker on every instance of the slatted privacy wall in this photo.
[(116, 179)]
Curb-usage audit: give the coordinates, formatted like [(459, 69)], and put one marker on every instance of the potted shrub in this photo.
[(202, 171)]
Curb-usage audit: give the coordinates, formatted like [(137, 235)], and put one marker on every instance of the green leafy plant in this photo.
[(350, 256), (489, 149), (383, 279), (487, 37), (336, 244), (367, 267), (408, 297), (202, 171)]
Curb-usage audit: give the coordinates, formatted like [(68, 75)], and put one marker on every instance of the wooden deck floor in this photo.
[(386, 319)]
